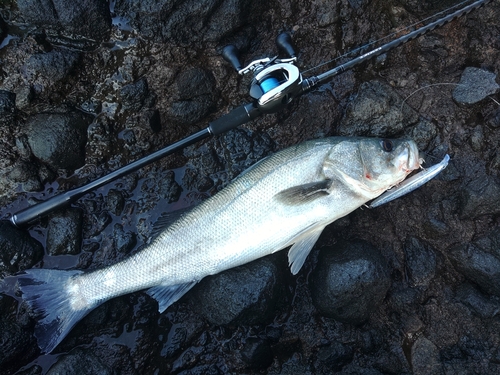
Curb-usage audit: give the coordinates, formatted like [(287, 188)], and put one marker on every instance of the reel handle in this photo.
[(285, 44), (231, 54)]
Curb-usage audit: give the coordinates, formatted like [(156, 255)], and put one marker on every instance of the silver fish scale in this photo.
[(241, 223), (286, 199), (221, 232)]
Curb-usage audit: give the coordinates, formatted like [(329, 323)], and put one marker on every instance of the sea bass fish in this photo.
[(284, 200)]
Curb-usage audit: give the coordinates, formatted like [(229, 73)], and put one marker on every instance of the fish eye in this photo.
[(387, 145)]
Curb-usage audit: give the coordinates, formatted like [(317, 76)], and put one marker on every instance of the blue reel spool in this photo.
[(268, 84)]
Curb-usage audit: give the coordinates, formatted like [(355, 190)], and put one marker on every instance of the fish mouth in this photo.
[(413, 160)]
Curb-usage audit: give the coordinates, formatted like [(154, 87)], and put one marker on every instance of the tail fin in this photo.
[(46, 292)]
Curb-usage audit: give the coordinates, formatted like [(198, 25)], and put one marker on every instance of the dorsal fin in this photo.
[(166, 219)]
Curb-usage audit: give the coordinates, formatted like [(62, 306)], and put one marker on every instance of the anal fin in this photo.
[(167, 295)]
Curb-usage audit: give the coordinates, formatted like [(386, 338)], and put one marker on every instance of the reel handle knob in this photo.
[(284, 43), (230, 54)]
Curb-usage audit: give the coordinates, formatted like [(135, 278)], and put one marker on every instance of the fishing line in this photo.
[(391, 35), (276, 83), (427, 86), (498, 103)]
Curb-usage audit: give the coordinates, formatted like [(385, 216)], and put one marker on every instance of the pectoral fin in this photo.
[(304, 193), (302, 247), (167, 295)]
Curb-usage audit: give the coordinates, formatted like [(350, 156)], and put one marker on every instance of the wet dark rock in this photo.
[(475, 85), (194, 82), (389, 363), (138, 135), (97, 222), (160, 188), (476, 139), (495, 358), (493, 118), (470, 346), (134, 95), (100, 138), (371, 341), (241, 148), (44, 69), (194, 181), (180, 334), (64, 233), (4, 29), (7, 103), (83, 18), (124, 241), (187, 22), (376, 111), (425, 358), (333, 357), (326, 14), (80, 361), (15, 343), (115, 202), (257, 353), (24, 96), (202, 370), (480, 197), (153, 119), (401, 296), (481, 304), (304, 123), (204, 160), (244, 295), (420, 262), (423, 133), (350, 281), (479, 262), (26, 174), (293, 366), (19, 250), (196, 97), (189, 112), (218, 162), (58, 139), (94, 328), (92, 105)]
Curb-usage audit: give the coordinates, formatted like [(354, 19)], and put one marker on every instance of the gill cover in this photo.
[(372, 165)]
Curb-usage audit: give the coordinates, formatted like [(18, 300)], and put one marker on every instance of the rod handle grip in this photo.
[(32, 213), (236, 117)]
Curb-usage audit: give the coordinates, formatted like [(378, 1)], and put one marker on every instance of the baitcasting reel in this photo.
[(276, 81)]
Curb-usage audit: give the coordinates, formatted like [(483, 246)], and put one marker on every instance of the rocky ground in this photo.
[(412, 287)]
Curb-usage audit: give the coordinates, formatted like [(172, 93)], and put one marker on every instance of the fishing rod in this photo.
[(276, 83)]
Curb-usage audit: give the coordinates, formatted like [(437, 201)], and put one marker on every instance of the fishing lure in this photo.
[(411, 183)]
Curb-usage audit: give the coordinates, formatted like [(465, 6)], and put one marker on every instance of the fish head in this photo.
[(372, 165)]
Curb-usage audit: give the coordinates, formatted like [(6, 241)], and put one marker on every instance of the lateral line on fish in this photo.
[(207, 240)]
